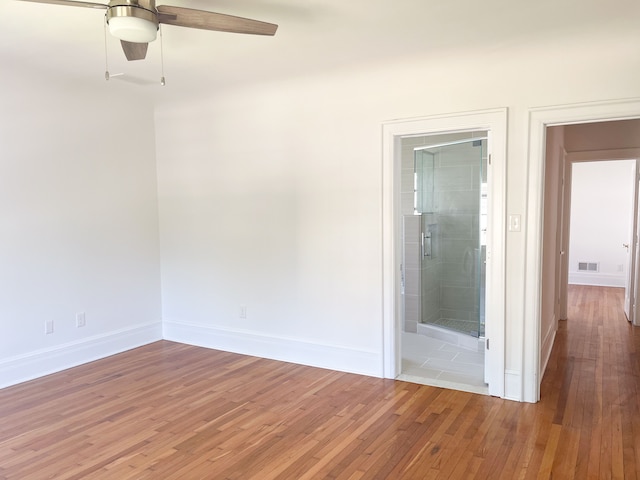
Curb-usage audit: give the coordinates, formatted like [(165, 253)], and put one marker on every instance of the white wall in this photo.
[(262, 205), (601, 205), (79, 230), (270, 195)]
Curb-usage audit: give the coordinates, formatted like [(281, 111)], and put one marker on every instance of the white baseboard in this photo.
[(597, 279), (548, 338), (513, 385), (36, 364), (362, 362)]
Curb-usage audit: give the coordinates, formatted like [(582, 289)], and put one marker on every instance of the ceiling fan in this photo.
[(136, 22)]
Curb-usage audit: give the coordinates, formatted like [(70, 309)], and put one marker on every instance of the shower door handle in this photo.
[(426, 244)]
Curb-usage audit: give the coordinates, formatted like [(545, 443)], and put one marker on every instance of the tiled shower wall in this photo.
[(412, 272)]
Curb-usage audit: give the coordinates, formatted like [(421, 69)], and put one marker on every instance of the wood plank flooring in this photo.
[(171, 411)]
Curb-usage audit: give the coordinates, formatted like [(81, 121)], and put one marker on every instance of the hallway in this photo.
[(591, 388)]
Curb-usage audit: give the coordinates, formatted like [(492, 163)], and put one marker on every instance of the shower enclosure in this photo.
[(447, 234)]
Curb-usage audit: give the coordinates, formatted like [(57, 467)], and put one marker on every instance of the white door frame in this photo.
[(539, 120), (635, 260), (631, 287), (495, 122)]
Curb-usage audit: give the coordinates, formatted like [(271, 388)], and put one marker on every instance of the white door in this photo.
[(630, 287)]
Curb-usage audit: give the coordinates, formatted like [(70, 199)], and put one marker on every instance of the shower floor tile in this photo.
[(430, 361)]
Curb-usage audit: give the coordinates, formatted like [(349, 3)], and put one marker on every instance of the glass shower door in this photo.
[(450, 195)]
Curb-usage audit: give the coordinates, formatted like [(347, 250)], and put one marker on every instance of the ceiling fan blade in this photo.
[(187, 17), (70, 3), (134, 51)]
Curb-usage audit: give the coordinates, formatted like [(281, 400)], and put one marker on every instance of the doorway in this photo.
[(444, 230), (430, 143), (578, 149), (600, 223), (547, 231)]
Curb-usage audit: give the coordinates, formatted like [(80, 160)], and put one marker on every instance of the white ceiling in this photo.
[(67, 43)]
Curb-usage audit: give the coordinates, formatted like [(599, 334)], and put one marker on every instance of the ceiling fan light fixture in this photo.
[(132, 24), (132, 29)]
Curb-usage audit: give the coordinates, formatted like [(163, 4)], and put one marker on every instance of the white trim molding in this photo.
[(333, 357), (548, 338), (597, 279), (513, 385), (495, 122), (539, 120), (22, 368)]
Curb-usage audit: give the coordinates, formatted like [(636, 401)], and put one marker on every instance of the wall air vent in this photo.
[(588, 266)]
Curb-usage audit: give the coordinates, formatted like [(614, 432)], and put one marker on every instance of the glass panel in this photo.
[(451, 195), (423, 181)]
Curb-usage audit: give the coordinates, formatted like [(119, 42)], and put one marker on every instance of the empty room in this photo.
[(235, 240)]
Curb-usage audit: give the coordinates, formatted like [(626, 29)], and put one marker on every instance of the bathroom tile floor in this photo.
[(430, 361)]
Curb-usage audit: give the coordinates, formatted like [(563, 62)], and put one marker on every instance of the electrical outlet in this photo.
[(80, 320), (243, 311), (48, 327)]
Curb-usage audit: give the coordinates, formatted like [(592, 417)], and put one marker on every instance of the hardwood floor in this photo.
[(171, 411)]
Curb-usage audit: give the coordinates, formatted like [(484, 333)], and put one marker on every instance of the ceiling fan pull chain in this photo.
[(162, 82), (106, 55)]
